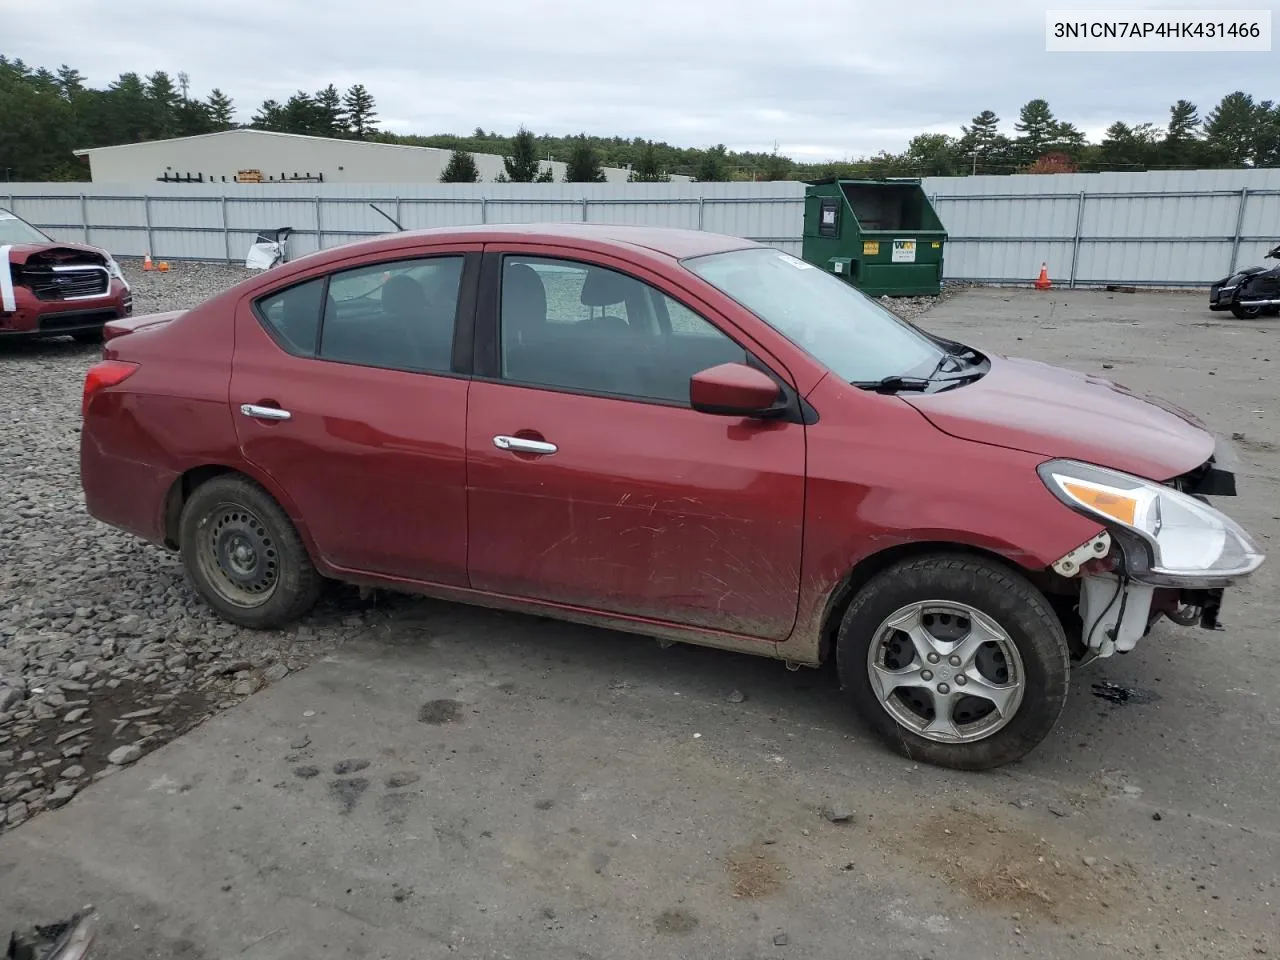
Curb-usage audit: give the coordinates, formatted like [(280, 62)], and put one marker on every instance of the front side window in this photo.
[(589, 329), (839, 326), (397, 315)]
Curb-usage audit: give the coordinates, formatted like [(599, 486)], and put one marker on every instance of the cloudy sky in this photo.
[(824, 79)]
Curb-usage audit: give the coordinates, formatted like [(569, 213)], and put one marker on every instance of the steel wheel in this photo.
[(238, 556), (945, 671)]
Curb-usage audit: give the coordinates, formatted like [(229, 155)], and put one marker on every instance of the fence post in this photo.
[(701, 199), (84, 216), (398, 210), (1235, 242), (1075, 241), (146, 210), (226, 231), (484, 210), (319, 226), (584, 209)]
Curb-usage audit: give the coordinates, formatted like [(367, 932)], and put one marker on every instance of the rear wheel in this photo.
[(954, 660), (243, 555)]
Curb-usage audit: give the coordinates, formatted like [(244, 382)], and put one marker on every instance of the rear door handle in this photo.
[(264, 413), (523, 445)]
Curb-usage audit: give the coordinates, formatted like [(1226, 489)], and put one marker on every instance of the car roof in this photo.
[(674, 242)]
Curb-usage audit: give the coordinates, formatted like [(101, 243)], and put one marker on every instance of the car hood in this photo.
[(1055, 412), (19, 253)]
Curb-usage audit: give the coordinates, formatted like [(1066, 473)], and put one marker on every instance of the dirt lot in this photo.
[(446, 781)]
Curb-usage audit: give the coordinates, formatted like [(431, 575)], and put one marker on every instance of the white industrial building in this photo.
[(260, 156)]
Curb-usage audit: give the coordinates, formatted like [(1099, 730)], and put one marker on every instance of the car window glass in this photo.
[(397, 315), (589, 329), (293, 316)]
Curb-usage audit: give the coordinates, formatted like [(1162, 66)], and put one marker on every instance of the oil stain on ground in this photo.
[(675, 921), (438, 712), (1118, 694)]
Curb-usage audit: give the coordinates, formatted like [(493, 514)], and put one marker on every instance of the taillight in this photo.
[(106, 373)]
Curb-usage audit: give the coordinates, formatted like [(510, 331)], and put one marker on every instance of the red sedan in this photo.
[(672, 433)]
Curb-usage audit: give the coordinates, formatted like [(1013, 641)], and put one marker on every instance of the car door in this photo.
[(591, 481), (345, 391)]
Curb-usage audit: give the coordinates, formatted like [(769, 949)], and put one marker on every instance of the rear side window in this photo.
[(397, 315), (293, 316)]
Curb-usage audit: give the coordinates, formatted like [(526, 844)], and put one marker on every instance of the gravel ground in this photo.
[(105, 652)]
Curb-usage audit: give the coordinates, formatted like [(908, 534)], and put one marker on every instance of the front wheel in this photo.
[(954, 660), (243, 555), (1241, 312)]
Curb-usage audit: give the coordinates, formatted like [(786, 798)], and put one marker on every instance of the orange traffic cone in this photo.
[(146, 262), (1042, 282)]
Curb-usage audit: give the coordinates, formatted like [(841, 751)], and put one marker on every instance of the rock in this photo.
[(60, 796), (72, 773), (402, 779), (275, 673), (307, 772), (14, 790), (300, 743), (781, 939), (1157, 816), (124, 755), (349, 766), (246, 687), (837, 813), (16, 814), (10, 697), (1090, 861), (737, 696), (76, 715)]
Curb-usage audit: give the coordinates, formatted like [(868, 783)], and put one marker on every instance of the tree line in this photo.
[(46, 114)]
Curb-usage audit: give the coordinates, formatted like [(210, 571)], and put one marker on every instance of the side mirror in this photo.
[(734, 390)]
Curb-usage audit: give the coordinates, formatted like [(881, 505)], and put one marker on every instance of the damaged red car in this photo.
[(673, 433), (53, 289)]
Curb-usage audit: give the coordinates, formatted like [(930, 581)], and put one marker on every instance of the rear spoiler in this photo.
[(119, 327)]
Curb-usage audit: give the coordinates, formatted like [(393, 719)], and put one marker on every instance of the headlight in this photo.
[(113, 268), (1168, 537)]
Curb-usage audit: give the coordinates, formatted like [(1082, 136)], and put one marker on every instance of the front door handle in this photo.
[(523, 445), (264, 413)]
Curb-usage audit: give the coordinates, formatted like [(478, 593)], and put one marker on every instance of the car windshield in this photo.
[(839, 326), (13, 230)]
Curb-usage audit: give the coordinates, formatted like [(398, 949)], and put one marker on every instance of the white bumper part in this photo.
[(1115, 614)]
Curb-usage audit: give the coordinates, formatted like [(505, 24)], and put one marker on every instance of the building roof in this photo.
[(249, 131)]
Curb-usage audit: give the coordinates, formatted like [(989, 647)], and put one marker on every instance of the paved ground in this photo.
[(539, 790)]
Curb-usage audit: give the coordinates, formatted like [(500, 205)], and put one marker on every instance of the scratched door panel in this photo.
[(644, 509)]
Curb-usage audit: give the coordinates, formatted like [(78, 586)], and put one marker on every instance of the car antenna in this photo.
[(389, 217)]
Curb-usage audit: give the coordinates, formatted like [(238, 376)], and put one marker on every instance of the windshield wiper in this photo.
[(895, 383)]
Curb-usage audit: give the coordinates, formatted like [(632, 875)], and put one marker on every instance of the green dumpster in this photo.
[(883, 236)]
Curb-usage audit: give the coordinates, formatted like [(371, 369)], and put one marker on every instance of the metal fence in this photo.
[(194, 222), (1184, 228)]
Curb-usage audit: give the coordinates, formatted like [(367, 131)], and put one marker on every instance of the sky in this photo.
[(821, 79)]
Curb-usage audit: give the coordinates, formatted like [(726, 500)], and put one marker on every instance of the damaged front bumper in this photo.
[(1121, 596)]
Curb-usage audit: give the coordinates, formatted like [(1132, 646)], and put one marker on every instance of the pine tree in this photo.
[(461, 168), (221, 110), (358, 104), (583, 165), (522, 165), (1231, 129), (268, 117), (648, 166), (70, 81), (713, 165), (1037, 127), (331, 120)]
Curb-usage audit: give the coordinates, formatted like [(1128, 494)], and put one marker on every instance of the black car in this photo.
[(1251, 292)]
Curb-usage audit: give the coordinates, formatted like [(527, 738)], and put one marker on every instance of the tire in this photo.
[(1025, 645), (1245, 313), (243, 555), (88, 336)]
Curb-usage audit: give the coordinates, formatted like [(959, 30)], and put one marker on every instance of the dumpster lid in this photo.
[(823, 181)]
